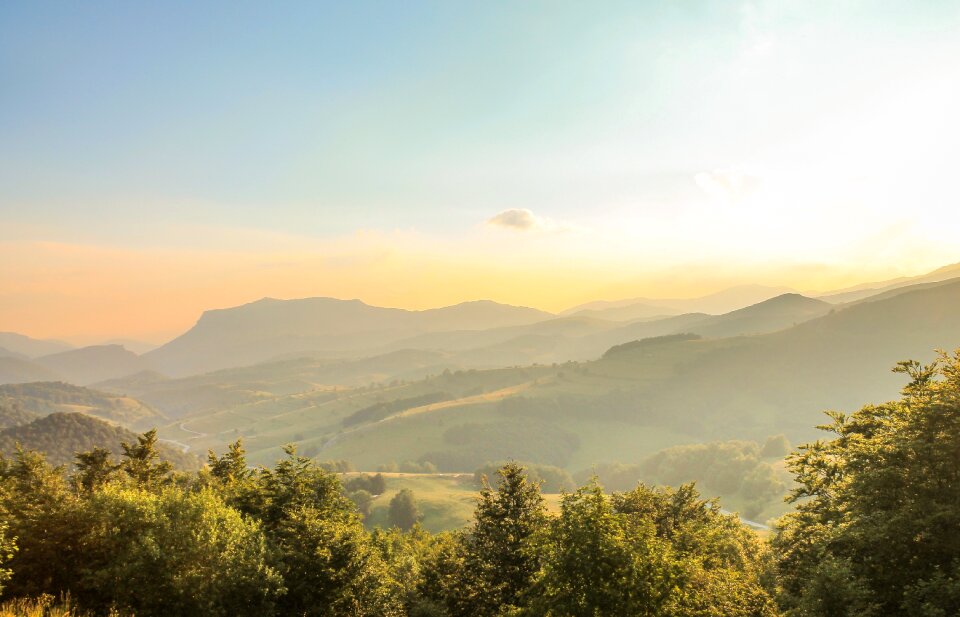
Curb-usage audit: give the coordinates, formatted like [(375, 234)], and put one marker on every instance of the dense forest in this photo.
[(875, 530)]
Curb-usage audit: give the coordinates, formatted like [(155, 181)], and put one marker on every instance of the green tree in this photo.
[(776, 446), (8, 546), (878, 506), (600, 563), (403, 511), (172, 553), (363, 500), (721, 565), (328, 564), (232, 466), (142, 463), (502, 556), (330, 567), (94, 468), (41, 511)]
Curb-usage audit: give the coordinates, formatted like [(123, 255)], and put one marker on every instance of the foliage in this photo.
[(735, 470), (44, 606), (8, 546), (522, 438), (776, 446), (403, 510), (93, 469), (384, 409), (142, 462), (501, 552), (339, 466), (139, 558), (13, 414), (373, 484), (61, 435), (601, 562), (878, 506), (47, 397), (551, 479)]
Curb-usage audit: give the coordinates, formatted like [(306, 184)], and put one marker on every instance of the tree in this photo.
[(363, 500), (878, 506), (319, 545), (721, 565), (94, 468), (8, 546), (330, 568), (172, 552), (403, 510), (142, 461), (41, 512), (599, 562), (230, 467), (776, 446), (502, 555)]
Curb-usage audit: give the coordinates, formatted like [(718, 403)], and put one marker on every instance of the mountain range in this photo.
[(481, 334), (460, 386)]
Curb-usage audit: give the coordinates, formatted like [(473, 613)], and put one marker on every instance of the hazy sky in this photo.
[(159, 160)]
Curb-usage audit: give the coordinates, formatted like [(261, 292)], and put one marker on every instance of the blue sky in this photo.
[(810, 132)]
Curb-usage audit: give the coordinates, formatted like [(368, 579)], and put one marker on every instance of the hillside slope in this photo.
[(11, 414), (43, 398), (61, 435), (31, 347), (768, 316), (91, 364), (627, 405), (20, 370)]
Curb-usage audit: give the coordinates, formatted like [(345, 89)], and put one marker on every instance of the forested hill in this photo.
[(47, 397), (12, 414), (61, 435)]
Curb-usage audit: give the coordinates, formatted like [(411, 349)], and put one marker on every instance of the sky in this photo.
[(160, 159)]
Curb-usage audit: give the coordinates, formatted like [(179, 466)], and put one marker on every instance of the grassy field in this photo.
[(445, 501)]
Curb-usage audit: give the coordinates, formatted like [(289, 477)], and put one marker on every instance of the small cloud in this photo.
[(726, 183), (519, 219)]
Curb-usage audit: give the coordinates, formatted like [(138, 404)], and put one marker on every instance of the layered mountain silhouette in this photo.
[(270, 328)]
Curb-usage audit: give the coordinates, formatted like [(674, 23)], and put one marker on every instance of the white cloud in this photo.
[(521, 219)]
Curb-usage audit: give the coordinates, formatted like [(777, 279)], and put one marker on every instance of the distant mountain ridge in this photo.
[(866, 290), (95, 363), (716, 303), (30, 347), (270, 328)]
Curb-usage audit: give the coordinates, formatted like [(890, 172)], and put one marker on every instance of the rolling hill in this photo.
[(61, 435), (622, 407), (91, 364), (31, 347), (44, 398), (20, 370), (768, 316), (11, 414), (268, 381)]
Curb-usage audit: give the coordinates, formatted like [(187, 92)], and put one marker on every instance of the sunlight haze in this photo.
[(419, 155)]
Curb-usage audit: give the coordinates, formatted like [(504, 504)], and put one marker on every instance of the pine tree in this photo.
[(142, 461), (94, 469), (502, 557)]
